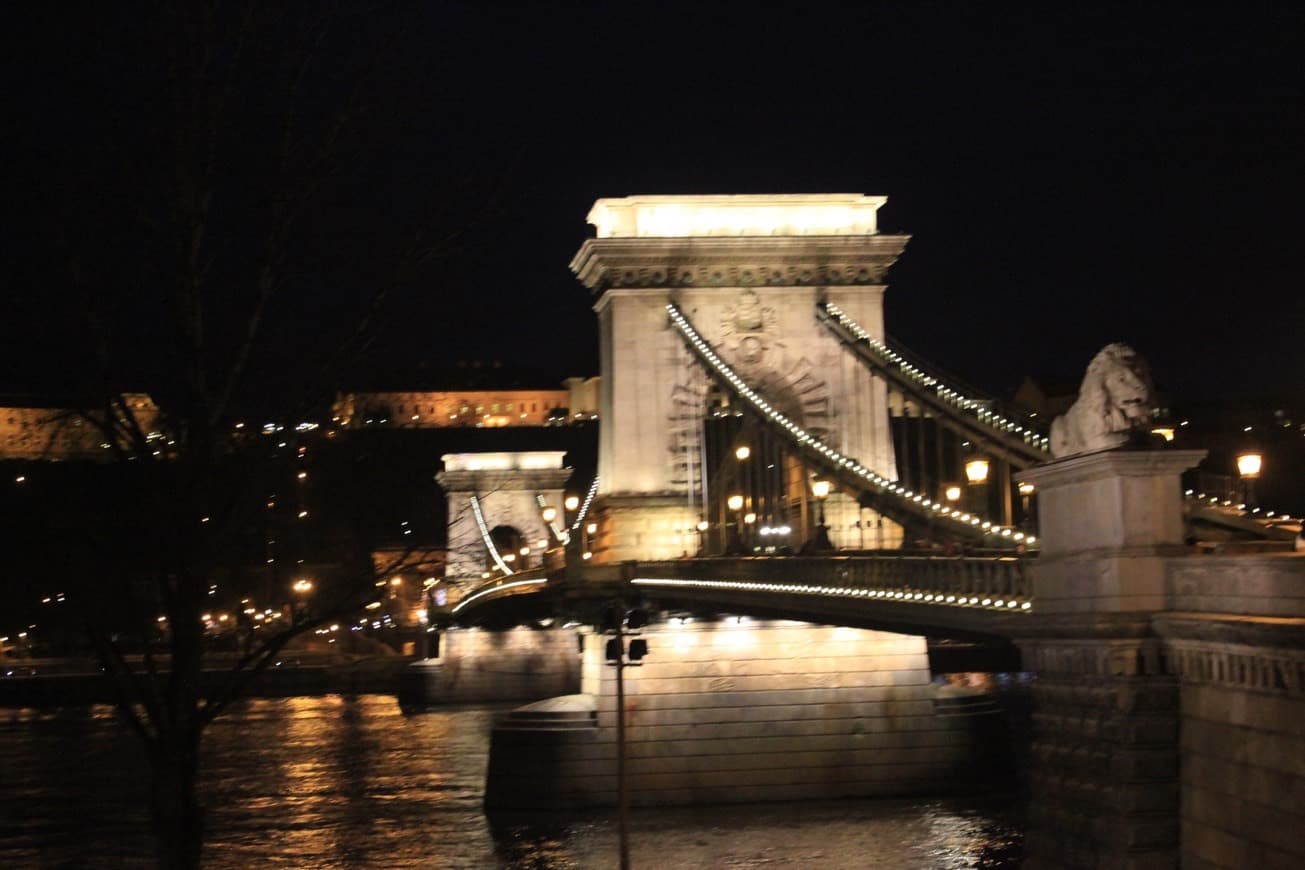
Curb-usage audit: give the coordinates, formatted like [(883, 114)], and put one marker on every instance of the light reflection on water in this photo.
[(352, 782)]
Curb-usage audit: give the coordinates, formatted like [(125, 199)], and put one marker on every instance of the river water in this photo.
[(353, 782)]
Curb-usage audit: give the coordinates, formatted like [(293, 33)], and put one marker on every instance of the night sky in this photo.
[(1071, 174)]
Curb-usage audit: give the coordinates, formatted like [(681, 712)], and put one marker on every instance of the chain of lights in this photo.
[(498, 587), (559, 533), (484, 536), (914, 501), (946, 393), (904, 596), (584, 507), (1215, 501)]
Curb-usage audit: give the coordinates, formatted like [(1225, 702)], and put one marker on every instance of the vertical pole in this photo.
[(1003, 480), (623, 797), (939, 473), (923, 483)]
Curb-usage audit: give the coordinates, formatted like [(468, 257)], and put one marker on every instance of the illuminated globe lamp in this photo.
[(742, 452), (820, 488), (1249, 464), (976, 471), (571, 503), (952, 493), (976, 476), (549, 514)]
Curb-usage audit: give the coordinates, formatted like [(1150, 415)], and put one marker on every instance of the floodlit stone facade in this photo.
[(731, 711), (468, 408), (747, 271), (63, 433)]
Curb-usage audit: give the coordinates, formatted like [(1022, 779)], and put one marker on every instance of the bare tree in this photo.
[(231, 239)]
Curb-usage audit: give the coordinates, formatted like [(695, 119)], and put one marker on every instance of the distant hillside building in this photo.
[(52, 430), (481, 408)]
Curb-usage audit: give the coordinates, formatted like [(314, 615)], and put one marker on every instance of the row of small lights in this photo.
[(844, 592), (559, 533), (584, 506), (535, 581), (484, 534), (805, 438), (1227, 502), (954, 397)]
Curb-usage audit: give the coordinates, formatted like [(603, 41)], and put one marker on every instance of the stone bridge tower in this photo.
[(507, 489), (747, 271)]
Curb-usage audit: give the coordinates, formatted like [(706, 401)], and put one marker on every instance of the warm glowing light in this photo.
[(396, 581), (734, 502), (1027, 488), (1249, 464), (510, 557), (588, 555), (976, 470), (591, 528), (549, 514), (302, 586), (525, 551), (572, 502), (702, 525), (743, 452), (1165, 432), (749, 518), (953, 493), (820, 488)]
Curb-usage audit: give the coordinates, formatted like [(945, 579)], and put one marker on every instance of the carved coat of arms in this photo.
[(748, 329)]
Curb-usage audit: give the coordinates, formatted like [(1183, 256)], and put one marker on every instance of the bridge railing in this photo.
[(518, 583), (1001, 583)]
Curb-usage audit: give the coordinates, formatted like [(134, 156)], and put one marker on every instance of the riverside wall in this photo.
[(743, 710)]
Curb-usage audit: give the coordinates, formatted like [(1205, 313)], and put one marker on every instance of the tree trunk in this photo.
[(176, 814)]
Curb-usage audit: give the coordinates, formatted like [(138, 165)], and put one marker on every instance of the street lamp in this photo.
[(1249, 465), (742, 452), (820, 489), (976, 475), (549, 514), (572, 502), (1026, 491), (952, 493), (734, 530)]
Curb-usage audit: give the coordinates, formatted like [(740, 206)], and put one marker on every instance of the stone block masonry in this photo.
[(739, 711), (475, 666)]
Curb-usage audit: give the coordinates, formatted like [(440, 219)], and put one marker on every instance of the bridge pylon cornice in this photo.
[(751, 261)]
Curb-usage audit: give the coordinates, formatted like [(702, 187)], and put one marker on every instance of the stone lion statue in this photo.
[(1114, 404)]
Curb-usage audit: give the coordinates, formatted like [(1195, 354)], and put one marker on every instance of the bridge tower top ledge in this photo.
[(800, 214)]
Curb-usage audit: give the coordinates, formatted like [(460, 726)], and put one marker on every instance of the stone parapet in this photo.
[(1267, 585)]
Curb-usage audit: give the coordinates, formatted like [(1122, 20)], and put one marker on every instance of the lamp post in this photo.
[(1249, 465), (622, 623), (1026, 505), (976, 475), (820, 489), (734, 531)]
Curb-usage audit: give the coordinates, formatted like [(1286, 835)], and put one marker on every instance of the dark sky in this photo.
[(1071, 174)]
